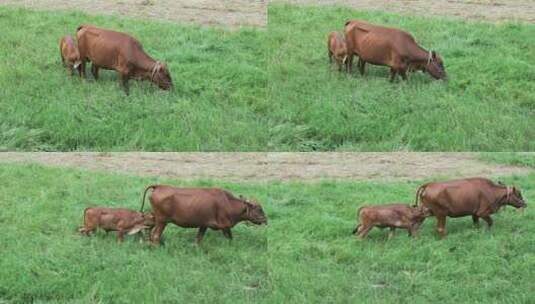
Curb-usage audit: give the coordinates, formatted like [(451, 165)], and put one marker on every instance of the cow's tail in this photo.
[(419, 194), (144, 194), (347, 22)]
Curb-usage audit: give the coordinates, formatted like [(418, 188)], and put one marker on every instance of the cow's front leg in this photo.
[(475, 220), (156, 233), (489, 221), (200, 234), (349, 64), (227, 233)]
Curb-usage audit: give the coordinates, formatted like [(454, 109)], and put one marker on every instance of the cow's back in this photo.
[(107, 48), (456, 197), (189, 207)]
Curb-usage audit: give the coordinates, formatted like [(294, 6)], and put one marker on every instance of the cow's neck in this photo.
[(419, 55), (145, 67), (238, 214), (500, 198)]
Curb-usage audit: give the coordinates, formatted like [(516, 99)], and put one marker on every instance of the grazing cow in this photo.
[(116, 219), (70, 57), (478, 197), (121, 52), (392, 216), (390, 47), (336, 47), (200, 208)]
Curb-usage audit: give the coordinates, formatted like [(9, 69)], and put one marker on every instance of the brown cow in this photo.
[(478, 197), (392, 216), (200, 208), (121, 52), (70, 57), (336, 47), (391, 47), (116, 219)]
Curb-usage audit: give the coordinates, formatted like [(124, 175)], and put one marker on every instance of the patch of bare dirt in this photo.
[(495, 10), (228, 13), (276, 166)]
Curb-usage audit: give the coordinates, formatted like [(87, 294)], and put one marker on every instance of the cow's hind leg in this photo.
[(393, 74), (200, 234), (364, 232), (156, 233), (227, 233), (349, 63), (441, 225), (124, 83), (330, 56), (475, 220), (94, 71), (489, 221), (82, 69)]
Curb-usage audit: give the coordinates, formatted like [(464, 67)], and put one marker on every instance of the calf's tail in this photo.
[(144, 194), (356, 228)]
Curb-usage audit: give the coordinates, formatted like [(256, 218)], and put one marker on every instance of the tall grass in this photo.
[(488, 104), (218, 102), (306, 254)]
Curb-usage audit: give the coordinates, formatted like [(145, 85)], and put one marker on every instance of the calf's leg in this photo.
[(441, 225), (200, 234), (94, 71), (364, 231), (392, 232), (349, 63)]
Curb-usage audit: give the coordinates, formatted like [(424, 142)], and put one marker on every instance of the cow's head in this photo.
[(435, 66), (161, 77), (514, 198), (253, 212)]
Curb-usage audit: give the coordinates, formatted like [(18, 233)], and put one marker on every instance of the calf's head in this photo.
[(160, 76), (435, 66), (420, 213), (148, 219), (254, 213)]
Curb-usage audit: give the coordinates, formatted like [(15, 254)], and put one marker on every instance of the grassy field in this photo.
[(488, 104), (219, 102), (306, 255)]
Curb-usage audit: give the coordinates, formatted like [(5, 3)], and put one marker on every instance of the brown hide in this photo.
[(115, 219), (392, 216), (389, 47), (200, 208), (478, 197), (120, 52), (336, 47), (70, 57)]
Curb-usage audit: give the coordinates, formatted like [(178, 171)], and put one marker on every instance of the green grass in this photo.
[(219, 103), (488, 104), (305, 255), (526, 159)]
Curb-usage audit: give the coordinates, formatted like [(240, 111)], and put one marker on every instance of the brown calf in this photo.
[(70, 57), (120, 52), (392, 216), (336, 47), (116, 219)]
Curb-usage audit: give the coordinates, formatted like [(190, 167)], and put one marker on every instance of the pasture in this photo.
[(305, 255), (218, 103), (488, 103)]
